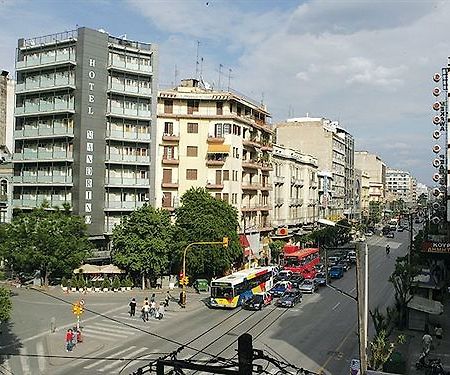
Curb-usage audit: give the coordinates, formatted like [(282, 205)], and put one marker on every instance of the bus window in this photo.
[(291, 262), (221, 292)]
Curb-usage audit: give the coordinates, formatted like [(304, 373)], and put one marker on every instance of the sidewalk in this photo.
[(439, 350)]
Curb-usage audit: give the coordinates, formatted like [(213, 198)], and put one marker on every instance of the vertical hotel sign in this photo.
[(88, 175)]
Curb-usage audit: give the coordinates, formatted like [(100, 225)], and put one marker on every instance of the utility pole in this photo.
[(363, 304), (245, 354)]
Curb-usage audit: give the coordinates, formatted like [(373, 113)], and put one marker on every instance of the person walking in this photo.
[(388, 249), (152, 299), (69, 340), (132, 305), (427, 341), (161, 311), (167, 299), (438, 332), (153, 308), (145, 312)]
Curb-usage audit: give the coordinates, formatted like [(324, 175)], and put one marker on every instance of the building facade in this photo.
[(402, 185), (6, 185), (220, 141), (7, 85), (376, 169), (295, 188), (85, 120), (333, 147)]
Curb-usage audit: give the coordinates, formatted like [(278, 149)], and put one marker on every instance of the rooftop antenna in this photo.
[(262, 98), (196, 61), (220, 75), (229, 78), (201, 68), (175, 75)]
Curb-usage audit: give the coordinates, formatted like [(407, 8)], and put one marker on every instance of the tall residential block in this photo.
[(376, 169), (7, 85), (333, 147), (402, 185), (218, 140), (85, 125), (295, 194)]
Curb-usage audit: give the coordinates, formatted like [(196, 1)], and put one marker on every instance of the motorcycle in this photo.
[(432, 366)]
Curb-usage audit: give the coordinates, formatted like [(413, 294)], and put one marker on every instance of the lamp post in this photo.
[(184, 280), (362, 296)]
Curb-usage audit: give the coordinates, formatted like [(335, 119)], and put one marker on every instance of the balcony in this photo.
[(214, 139), (43, 180), (266, 166), (28, 155), (127, 159), (250, 186), (251, 143), (46, 85), (122, 88), (297, 181), (215, 163), (132, 113), (313, 184), (170, 137), (250, 164), (45, 107), (43, 132), (42, 61), (214, 186), (32, 202), (170, 161), (266, 187), (127, 181), (125, 66), (279, 201), (169, 185), (131, 136), (123, 205), (249, 207), (295, 201), (266, 146)]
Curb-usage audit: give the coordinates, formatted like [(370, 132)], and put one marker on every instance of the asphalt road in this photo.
[(320, 334)]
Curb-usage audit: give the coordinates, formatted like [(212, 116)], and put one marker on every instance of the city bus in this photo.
[(301, 261), (232, 290)]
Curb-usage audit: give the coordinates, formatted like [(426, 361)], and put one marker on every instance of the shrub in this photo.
[(128, 282), (81, 282), (106, 283), (116, 282), (64, 282), (89, 283), (73, 282), (97, 284)]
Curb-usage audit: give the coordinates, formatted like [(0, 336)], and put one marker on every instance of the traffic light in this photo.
[(181, 275), (77, 309), (225, 242)]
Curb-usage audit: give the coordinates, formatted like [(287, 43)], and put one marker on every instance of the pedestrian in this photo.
[(145, 311), (167, 299), (427, 341), (132, 305), (438, 331), (161, 311), (69, 340), (153, 298), (153, 308)]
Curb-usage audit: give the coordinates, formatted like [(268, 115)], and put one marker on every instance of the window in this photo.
[(192, 127), (219, 108), (167, 200), (192, 106), (218, 130), (225, 197), (192, 151), (167, 175), (191, 174), (217, 196), (168, 128), (226, 175), (168, 106), (169, 152)]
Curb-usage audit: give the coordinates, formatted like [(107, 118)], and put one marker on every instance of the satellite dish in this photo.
[(436, 77)]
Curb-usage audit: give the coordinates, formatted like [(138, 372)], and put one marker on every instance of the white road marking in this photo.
[(100, 332), (120, 361), (96, 363), (335, 306), (24, 361), (5, 365), (351, 291), (41, 356)]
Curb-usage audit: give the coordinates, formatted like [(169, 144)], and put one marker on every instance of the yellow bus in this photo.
[(231, 290)]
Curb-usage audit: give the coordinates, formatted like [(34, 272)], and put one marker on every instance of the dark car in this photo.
[(390, 235), (319, 267), (296, 280), (320, 279), (344, 264), (308, 286), (280, 287), (400, 229), (336, 272), (290, 298), (257, 301)]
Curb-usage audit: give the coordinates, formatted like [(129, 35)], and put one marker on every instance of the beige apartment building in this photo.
[(217, 140), (376, 169), (295, 193), (333, 147), (402, 185), (7, 85)]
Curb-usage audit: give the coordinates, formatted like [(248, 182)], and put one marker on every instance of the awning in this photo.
[(218, 149), (426, 305), (110, 268), (243, 240), (88, 269)]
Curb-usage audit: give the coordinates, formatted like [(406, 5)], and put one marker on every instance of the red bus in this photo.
[(301, 261)]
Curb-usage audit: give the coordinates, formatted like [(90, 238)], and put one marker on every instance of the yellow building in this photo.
[(218, 140)]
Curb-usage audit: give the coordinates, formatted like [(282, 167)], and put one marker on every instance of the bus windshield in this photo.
[(291, 262), (221, 292)]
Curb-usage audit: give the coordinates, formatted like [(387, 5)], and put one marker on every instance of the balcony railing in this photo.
[(44, 107), (135, 136), (43, 84), (39, 200), (125, 65), (43, 155), (128, 158), (127, 181), (278, 179), (40, 179), (123, 88), (130, 112), (46, 60), (36, 132), (125, 205)]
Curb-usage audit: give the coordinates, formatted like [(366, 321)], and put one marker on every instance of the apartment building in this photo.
[(217, 140), (402, 185), (85, 119), (295, 183), (333, 147), (325, 193), (376, 169), (6, 183), (364, 196), (7, 85)]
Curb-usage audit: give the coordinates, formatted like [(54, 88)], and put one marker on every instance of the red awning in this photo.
[(244, 241)]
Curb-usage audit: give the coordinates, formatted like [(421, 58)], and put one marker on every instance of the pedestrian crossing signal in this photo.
[(184, 280)]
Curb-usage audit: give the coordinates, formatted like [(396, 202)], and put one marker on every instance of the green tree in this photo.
[(276, 249), (142, 243), (204, 218), (381, 348), (48, 241), (5, 304), (375, 211)]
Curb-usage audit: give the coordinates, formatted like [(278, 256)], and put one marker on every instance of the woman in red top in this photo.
[(69, 340)]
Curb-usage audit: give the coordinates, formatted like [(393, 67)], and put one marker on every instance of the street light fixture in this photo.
[(362, 289)]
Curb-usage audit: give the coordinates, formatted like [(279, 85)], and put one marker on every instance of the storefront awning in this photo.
[(426, 305), (218, 149)]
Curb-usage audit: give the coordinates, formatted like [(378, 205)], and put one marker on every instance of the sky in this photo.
[(365, 63)]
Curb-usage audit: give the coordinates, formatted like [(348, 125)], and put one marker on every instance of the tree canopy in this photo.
[(48, 241), (142, 243), (202, 217), (5, 304)]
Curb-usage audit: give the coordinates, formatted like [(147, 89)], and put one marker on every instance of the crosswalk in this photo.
[(29, 360)]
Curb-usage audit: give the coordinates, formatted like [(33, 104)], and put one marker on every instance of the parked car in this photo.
[(368, 233), (320, 279), (390, 235), (344, 264), (352, 256), (332, 261), (307, 286), (257, 301), (284, 275), (296, 279), (336, 272), (319, 267), (290, 298), (400, 229), (280, 287)]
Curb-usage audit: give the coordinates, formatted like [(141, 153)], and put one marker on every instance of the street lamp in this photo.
[(362, 289)]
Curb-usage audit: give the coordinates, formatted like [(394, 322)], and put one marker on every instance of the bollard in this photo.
[(52, 325)]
